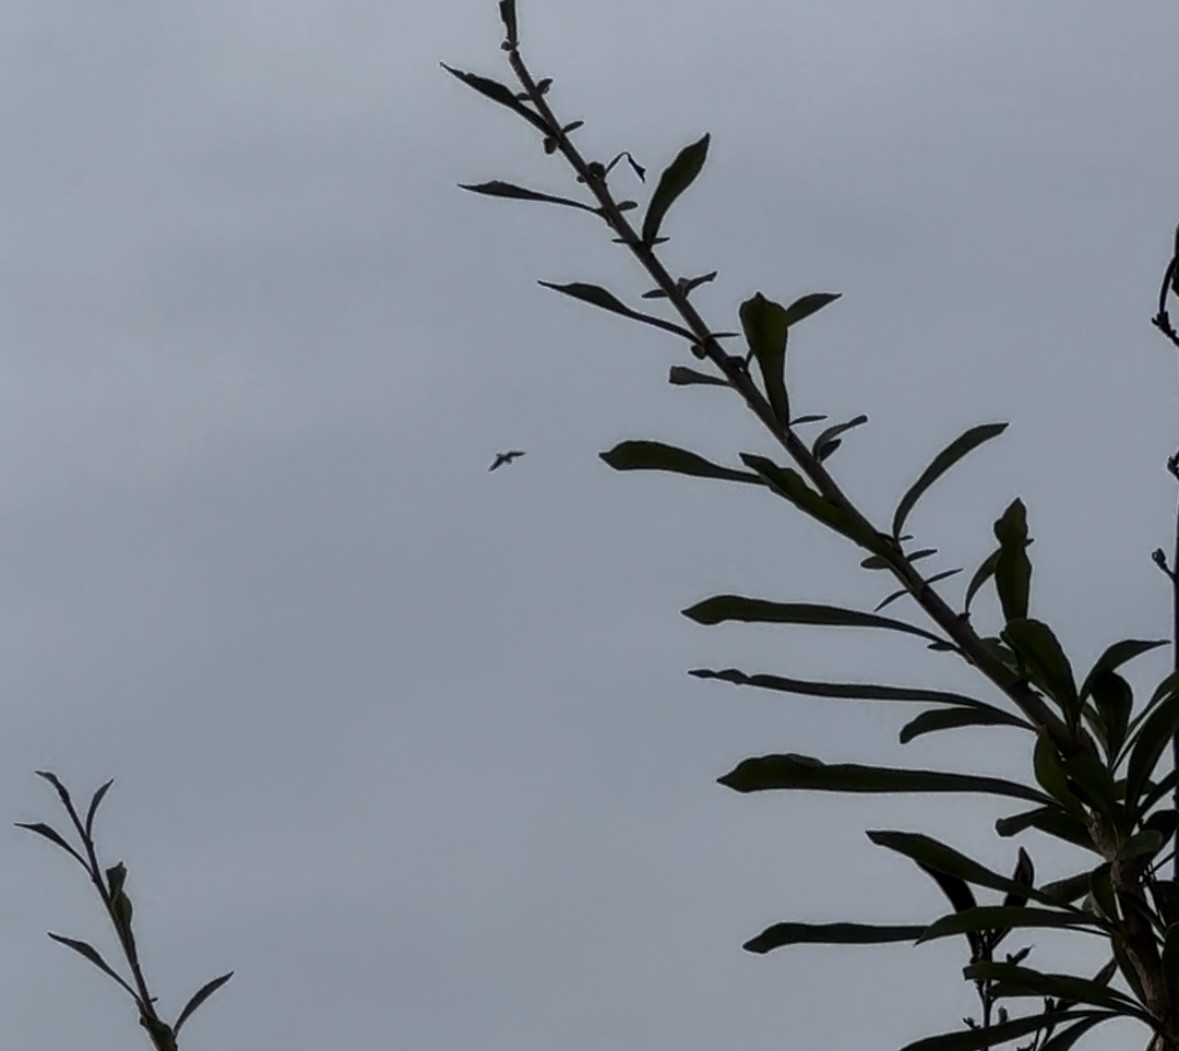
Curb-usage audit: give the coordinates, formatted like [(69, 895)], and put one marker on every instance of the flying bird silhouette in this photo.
[(508, 457)]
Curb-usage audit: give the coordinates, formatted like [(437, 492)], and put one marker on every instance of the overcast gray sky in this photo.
[(410, 745)]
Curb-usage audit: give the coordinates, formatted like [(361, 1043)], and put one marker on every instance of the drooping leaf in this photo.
[(927, 851), (496, 91), (805, 306), (1007, 917), (682, 376), (902, 592), (937, 719), (846, 690), (1052, 776), (781, 934), (599, 297), (656, 456), (95, 800), (1044, 658), (941, 463), (956, 890), (1015, 980), (805, 773), (764, 323), (92, 954), (676, 178), (498, 188), (1013, 570), (984, 1038), (51, 834), (200, 996), (825, 437)]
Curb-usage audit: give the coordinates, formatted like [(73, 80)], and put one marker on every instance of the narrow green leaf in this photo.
[(812, 418), (937, 719), (981, 576), (848, 690), (902, 592), (805, 306), (1101, 893), (825, 437), (1006, 917), (95, 800), (1116, 655), (676, 178), (1148, 842), (1114, 701), (1044, 658), (62, 792), (1013, 570), (982, 1039), (944, 460), (805, 773), (764, 323), (1066, 891), (682, 376), (200, 996), (599, 297), (1025, 876), (927, 851), (1066, 1038), (1023, 981), (722, 608), (498, 188), (781, 934), (1052, 777), (496, 91), (1052, 820), (1149, 742), (656, 456), (93, 955), (51, 834)]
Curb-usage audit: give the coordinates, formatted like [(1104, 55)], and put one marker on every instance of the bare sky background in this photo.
[(410, 745)]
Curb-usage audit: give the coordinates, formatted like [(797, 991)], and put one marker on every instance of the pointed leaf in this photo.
[(1006, 917), (1025, 875), (805, 306), (1044, 657), (982, 1039), (1052, 776), (199, 997), (764, 323), (781, 934), (93, 955), (722, 608), (1013, 571), (682, 376), (825, 437), (1066, 891), (944, 460), (1114, 701), (927, 851), (1015, 980), (496, 91), (812, 418), (1066, 1038), (1116, 655), (1151, 739), (676, 178), (62, 792), (599, 297), (952, 718), (805, 773), (981, 576), (95, 800), (655, 456), (1052, 820), (498, 188), (902, 592), (847, 690)]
